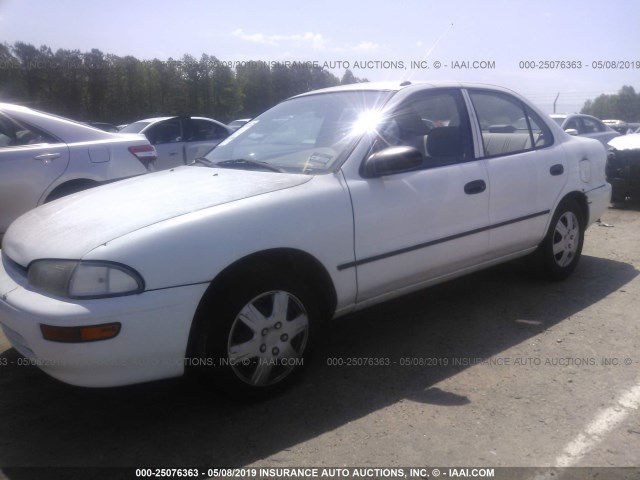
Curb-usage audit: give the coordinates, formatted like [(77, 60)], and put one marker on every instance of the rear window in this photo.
[(134, 127)]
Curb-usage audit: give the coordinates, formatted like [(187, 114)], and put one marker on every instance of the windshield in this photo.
[(308, 134)]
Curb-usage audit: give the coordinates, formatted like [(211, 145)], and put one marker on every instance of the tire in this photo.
[(559, 253), (617, 198), (254, 335)]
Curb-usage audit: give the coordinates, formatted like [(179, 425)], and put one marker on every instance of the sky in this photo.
[(499, 42)]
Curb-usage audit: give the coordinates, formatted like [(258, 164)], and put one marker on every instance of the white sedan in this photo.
[(330, 202), (585, 125), (179, 140), (44, 157)]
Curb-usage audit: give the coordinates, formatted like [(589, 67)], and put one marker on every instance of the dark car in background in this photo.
[(623, 167), (179, 140)]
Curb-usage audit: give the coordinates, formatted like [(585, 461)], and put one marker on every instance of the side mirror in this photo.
[(571, 131), (391, 160)]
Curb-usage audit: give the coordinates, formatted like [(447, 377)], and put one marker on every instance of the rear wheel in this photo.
[(255, 334), (560, 251)]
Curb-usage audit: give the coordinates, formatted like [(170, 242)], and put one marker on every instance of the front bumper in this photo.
[(623, 173), (151, 344)]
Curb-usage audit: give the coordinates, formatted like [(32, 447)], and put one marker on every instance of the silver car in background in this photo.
[(180, 140), (585, 126), (44, 157)]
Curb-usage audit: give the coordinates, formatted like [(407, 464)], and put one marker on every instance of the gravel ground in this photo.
[(504, 370)]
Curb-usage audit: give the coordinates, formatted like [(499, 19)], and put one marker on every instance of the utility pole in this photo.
[(554, 102)]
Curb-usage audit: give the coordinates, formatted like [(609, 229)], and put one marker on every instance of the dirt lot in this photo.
[(504, 370)]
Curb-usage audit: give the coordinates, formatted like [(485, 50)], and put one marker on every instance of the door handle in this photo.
[(556, 169), (47, 157), (477, 186)]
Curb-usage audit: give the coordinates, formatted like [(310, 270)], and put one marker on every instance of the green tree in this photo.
[(11, 84), (255, 81), (99, 86), (625, 105)]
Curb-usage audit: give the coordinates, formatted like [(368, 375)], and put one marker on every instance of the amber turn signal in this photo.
[(91, 333)]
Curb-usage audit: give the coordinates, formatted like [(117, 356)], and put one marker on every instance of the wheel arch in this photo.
[(581, 199), (68, 187), (301, 263)]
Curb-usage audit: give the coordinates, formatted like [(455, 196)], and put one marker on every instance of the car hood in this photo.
[(73, 226), (626, 142)]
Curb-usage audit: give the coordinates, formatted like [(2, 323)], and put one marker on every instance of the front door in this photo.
[(416, 226)]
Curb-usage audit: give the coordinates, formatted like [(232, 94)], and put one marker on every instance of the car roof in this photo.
[(569, 115), (397, 86), (154, 120), (159, 119), (67, 130)]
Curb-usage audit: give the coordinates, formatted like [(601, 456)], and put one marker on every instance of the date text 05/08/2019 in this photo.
[(579, 65)]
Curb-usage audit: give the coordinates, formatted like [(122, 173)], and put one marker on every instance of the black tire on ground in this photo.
[(559, 253), (253, 335)]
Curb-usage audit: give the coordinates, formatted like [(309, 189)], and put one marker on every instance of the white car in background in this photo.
[(179, 140), (586, 126), (44, 157), (330, 202)]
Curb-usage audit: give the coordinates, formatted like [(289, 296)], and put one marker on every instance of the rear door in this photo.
[(168, 138), (30, 161), (201, 135), (527, 171)]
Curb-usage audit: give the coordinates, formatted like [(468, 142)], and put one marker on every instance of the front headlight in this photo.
[(84, 279)]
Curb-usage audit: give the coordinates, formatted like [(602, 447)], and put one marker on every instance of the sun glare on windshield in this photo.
[(366, 122)]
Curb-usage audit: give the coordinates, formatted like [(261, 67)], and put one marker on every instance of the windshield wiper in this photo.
[(242, 162)]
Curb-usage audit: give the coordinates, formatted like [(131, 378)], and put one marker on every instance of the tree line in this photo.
[(94, 86), (625, 105)]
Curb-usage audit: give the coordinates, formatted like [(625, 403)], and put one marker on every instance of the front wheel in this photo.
[(256, 333), (560, 251)]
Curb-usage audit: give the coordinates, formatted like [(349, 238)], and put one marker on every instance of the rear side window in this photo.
[(167, 131), (508, 126), (14, 133)]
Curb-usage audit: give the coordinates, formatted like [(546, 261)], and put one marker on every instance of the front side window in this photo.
[(592, 125), (202, 130), (435, 123), (507, 125)]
